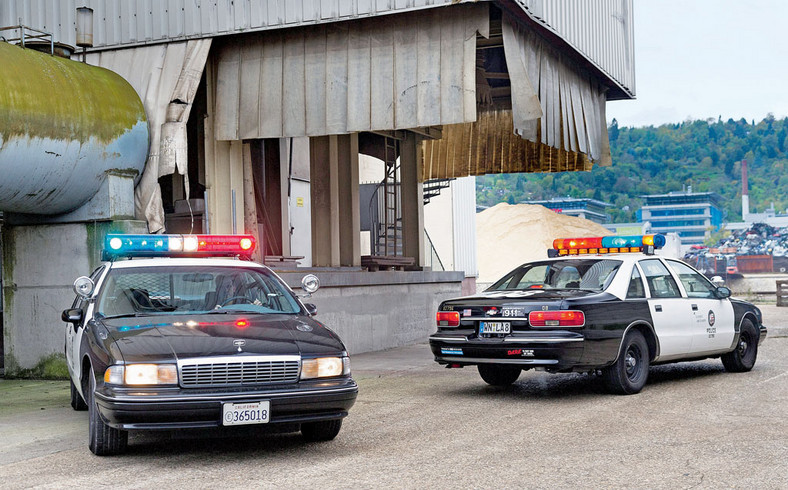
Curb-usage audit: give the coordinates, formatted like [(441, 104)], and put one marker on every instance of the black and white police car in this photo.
[(186, 340), (603, 303)]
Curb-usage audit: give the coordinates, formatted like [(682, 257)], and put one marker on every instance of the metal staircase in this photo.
[(432, 188)]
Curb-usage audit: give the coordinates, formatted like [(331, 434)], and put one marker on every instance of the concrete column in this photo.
[(335, 207), (324, 171), (250, 206), (412, 199), (350, 214)]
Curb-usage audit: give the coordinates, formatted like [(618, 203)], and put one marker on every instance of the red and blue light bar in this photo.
[(608, 244), (116, 245)]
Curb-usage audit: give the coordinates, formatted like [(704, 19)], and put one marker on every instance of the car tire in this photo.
[(77, 402), (498, 374), (742, 358), (321, 431), (629, 373), (103, 440)]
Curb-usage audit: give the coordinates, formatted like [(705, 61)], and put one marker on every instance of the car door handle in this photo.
[(694, 307), (658, 307)]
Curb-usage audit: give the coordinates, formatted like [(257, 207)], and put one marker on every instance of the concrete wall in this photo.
[(373, 311), (39, 265)]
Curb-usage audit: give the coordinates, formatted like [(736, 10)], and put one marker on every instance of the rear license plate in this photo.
[(246, 413), (495, 327)]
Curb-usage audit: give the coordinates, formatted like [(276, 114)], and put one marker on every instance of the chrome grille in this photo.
[(238, 371)]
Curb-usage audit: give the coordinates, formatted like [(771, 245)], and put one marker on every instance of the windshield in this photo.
[(585, 274), (180, 290)]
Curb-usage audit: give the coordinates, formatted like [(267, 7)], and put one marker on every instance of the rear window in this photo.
[(585, 274), (180, 290)]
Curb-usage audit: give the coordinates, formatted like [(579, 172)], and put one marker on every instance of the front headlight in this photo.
[(142, 374), (325, 367)]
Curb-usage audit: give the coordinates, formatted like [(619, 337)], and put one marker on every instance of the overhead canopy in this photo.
[(166, 77), (556, 123), (395, 72)]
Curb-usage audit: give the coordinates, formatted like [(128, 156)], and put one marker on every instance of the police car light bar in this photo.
[(606, 245), (176, 245)]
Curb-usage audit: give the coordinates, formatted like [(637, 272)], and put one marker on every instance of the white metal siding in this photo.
[(415, 70), (602, 30), (127, 22), (464, 211)]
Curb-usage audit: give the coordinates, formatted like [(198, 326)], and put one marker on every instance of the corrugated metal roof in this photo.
[(601, 30), (132, 22)]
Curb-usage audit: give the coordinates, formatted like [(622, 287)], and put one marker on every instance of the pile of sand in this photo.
[(508, 235)]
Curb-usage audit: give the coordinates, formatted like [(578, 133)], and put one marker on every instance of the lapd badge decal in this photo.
[(712, 318)]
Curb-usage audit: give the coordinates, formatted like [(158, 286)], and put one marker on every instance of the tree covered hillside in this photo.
[(706, 155)]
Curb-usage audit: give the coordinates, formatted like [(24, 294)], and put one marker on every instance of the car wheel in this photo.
[(499, 375), (629, 373), (742, 358), (321, 431), (103, 440), (77, 402)]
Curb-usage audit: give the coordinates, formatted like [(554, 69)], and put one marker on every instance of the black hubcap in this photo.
[(633, 362), (744, 342)]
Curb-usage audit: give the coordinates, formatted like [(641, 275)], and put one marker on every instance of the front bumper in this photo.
[(176, 408), (559, 350), (762, 337)]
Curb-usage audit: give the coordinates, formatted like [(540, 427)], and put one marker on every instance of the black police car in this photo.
[(187, 341), (601, 304)]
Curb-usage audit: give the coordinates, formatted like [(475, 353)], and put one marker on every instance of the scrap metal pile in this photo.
[(759, 248)]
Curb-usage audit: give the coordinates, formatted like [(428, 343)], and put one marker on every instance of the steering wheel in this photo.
[(244, 298)]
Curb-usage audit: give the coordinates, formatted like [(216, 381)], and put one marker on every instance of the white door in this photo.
[(670, 312), (712, 318)]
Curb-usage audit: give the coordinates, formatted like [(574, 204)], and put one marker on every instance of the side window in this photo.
[(636, 289), (694, 283), (660, 282)]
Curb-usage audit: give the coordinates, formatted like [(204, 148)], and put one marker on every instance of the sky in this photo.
[(700, 59)]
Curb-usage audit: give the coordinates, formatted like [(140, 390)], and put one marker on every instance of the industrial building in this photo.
[(693, 215), (266, 117), (586, 208)]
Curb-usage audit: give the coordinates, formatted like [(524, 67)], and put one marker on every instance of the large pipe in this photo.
[(63, 125)]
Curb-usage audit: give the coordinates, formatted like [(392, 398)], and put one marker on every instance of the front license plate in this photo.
[(246, 413), (495, 327)]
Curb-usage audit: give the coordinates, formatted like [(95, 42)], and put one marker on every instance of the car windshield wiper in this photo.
[(126, 315)]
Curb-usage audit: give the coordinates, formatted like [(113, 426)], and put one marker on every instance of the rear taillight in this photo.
[(557, 318), (448, 318)]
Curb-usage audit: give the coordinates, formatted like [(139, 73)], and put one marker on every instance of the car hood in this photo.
[(162, 338)]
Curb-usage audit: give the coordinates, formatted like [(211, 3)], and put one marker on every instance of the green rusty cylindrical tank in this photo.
[(63, 125)]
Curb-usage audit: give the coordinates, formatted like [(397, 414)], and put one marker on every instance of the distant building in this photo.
[(693, 215), (589, 209)]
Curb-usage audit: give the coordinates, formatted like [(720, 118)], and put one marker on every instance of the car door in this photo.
[(712, 317), (74, 332), (670, 312)]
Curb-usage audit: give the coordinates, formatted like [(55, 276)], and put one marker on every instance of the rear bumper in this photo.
[(552, 350), (182, 409), (762, 337)]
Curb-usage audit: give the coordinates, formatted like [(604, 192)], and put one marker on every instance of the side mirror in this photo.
[(718, 281), (722, 292), (72, 316), (310, 283), (84, 287), (311, 309)]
